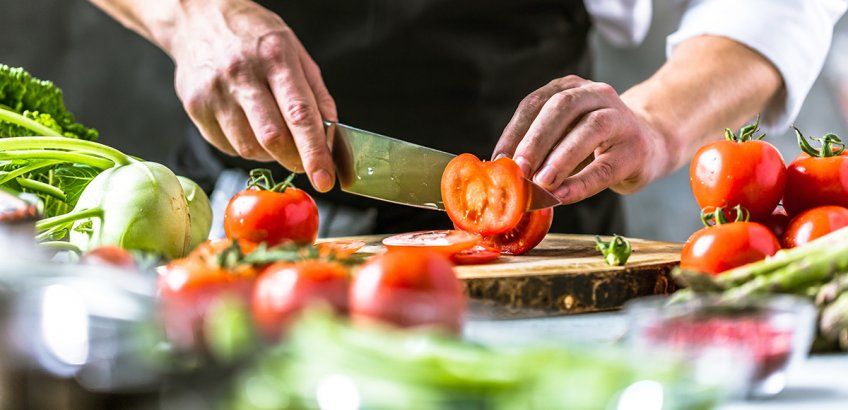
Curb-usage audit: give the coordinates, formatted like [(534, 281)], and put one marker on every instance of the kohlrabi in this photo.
[(199, 210)]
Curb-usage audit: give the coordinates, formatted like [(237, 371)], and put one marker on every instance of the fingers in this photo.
[(556, 117), (606, 170), (581, 141), (326, 104), (300, 110), (269, 132), (212, 133), (527, 111)]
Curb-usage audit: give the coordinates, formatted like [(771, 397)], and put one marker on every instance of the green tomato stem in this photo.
[(27, 169), (41, 187), (616, 252), (69, 217), (28, 123), (63, 143)]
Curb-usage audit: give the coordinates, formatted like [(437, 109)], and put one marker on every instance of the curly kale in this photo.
[(29, 106)]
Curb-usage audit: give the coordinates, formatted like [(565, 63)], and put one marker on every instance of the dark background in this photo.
[(118, 83)]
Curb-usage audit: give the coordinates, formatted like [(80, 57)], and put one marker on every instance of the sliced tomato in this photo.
[(446, 242), (340, 248), (484, 197), (477, 255), (529, 232)]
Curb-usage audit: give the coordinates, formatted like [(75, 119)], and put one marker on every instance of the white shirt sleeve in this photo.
[(794, 35), (624, 23)]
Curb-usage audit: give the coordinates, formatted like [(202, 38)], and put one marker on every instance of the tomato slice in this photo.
[(477, 255), (484, 197), (531, 229), (446, 242), (340, 248)]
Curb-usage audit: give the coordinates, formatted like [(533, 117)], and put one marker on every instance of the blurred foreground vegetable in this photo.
[(816, 270), (327, 362)]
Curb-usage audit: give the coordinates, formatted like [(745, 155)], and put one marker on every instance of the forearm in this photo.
[(710, 83)]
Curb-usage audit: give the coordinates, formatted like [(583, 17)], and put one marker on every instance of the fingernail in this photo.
[(322, 181), (524, 165), (500, 155), (546, 177), (562, 192)]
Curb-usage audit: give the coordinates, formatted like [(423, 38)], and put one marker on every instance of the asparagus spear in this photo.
[(833, 322), (831, 245)]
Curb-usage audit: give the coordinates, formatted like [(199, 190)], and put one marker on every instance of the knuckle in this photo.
[(533, 101), (247, 150), (604, 173), (563, 99), (272, 46), (236, 68), (270, 136), (300, 113), (598, 121), (603, 89)]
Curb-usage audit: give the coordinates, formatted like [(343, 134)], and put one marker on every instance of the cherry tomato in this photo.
[(740, 170), (715, 249), (529, 232), (109, 255), (817, 177), (408, 288), (270, 213), (284, 289), (477, 255), (777, 222), (189, 286), (340, 248), (484, 197), (814, 223), (446, 242)]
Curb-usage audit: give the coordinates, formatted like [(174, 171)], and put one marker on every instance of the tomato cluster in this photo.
[(743, 172)]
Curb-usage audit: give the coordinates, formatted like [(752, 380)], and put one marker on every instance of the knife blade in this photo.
[(388, 169)]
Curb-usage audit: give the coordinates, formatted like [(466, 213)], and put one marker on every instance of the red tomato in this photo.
[(526, 235), (408, 288), (814, 223), (189, 286), (477, 255), (738, 171), (484, 197), (109, 255), (272, 215), (285, 289), (777, 222), (715, 249), (816, 181), (446, 242)]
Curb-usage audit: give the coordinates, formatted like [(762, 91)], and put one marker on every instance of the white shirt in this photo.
[(794, 35)]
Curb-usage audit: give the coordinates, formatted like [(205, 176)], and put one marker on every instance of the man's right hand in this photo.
[(250, 86)]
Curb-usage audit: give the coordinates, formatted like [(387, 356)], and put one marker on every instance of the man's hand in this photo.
[(647, 132), (557, 127), (250, 86)]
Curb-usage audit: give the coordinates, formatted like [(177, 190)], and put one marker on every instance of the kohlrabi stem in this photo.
[(28, 123), (63, 143), (61, 156), (26, 170), (41, 187), (69, 217), (61, 246)]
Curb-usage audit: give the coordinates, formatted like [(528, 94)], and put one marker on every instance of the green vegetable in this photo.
[(200, 211), (383, 367), (616, 252), (29, 106)]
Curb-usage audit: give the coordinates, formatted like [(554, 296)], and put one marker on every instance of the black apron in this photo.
[(446, 74)]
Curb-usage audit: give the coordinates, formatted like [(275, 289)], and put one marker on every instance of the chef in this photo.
[(257, 78)]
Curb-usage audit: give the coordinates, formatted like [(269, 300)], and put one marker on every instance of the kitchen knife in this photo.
[(392, 170)]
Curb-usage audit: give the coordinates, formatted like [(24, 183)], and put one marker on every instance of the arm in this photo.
[(243, 77), (649, 131)]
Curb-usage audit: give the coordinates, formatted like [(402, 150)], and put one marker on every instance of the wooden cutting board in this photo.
[(563, 275)]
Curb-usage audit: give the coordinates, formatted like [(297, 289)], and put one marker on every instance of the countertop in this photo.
[(820, 383)]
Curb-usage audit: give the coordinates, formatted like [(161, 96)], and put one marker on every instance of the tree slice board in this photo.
[(565, 274)]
